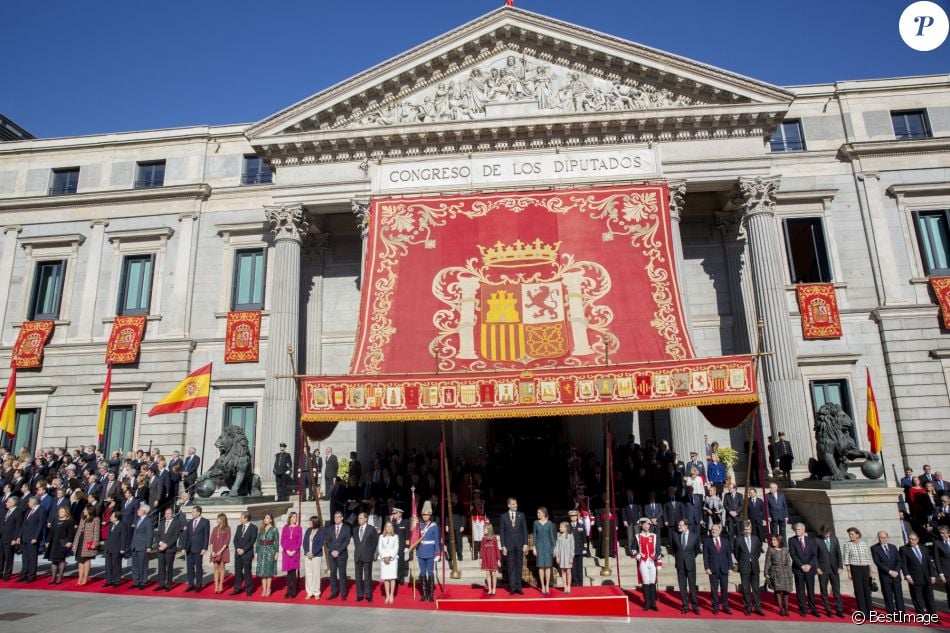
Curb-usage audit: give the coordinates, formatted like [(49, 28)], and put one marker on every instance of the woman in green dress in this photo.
[(544, 549), (268, 549)]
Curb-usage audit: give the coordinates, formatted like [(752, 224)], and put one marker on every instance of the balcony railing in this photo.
[(257, 178), (149, 183), (62, 190)]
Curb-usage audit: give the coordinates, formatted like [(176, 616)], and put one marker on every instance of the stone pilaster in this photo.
[(312, 297), (7, 257), (180, 312), (90, 286), (783, 379), (289, 224), (686, 423)]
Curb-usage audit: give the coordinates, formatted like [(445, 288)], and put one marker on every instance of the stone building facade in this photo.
[(846, 183)]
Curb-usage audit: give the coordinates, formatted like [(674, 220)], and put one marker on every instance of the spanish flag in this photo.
[(191, 393), (104, 406), (874, 424), (8, 408)]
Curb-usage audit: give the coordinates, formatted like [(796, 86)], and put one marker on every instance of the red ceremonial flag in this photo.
[(510, 3), (874, 423), (819, 309), (941, 288)]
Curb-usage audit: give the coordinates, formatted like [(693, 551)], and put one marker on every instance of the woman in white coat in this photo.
[(387, 552)]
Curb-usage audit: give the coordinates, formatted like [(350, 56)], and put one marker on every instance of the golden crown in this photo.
[(520, 254)]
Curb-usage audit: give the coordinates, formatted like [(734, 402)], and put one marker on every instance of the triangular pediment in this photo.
[(512, 65)]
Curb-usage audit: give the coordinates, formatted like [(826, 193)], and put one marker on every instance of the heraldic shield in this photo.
[(527, 305)]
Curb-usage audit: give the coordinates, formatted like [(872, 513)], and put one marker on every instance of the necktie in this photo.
[(748, 543), (716, 541), (512, 518), (338, 531), (684, 541), (362, 531), (194, 525), (828, 544), (802, 541), (920, 558), (243, 530)]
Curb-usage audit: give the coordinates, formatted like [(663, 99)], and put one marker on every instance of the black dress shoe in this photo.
[(167, 589), (727, 610), (333, 595), (839, 613), (801, 612), (696, 610), (815, 613), (343, 597), (359, 598), (369, 599), (684, 610), (159, 588), (758, 611), (748, 610), (236, 593), (715, 610)]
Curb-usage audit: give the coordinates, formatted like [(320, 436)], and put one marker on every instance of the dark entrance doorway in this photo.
[(535, 468)]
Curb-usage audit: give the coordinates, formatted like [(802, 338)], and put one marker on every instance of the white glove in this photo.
[(405, 555), (438, 559)]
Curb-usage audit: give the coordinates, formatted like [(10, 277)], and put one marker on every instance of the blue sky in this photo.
[(83, 67)]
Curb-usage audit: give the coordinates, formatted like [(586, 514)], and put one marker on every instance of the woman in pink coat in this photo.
[(291, 538)]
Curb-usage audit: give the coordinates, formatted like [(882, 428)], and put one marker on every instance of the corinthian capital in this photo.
[(361, 211), (730, 224), (757, 195), (288, 222), (677, 198)]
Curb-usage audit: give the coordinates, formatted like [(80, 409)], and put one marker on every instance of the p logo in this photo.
[(923, 26)]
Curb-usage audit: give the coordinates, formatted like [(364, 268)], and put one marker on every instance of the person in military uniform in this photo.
[(647, 551), (401, 528), (283, 471), (428, 552)]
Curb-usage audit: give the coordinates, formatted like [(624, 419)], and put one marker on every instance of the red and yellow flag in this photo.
[(874, 424), (191, 393), (104, 406), (8, 408)]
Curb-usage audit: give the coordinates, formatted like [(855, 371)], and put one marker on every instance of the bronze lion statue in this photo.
[(835, 445), (234, 469)]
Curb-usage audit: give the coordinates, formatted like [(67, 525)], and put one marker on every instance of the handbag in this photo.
[(874, 587), (769, 583)]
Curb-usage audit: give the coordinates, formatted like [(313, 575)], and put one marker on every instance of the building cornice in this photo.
[(102, 198), (919, 189), (889, 147)]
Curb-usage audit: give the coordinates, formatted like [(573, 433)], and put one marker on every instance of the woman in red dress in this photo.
[(491, 558), (220, 547)]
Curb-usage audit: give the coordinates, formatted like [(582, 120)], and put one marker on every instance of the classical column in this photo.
[(783, 379), (179, 312), (686, 423), (311, 295), (289, 224), (90, 286), (7, 256), (883, 248)]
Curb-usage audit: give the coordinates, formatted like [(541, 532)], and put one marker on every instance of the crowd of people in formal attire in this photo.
[(81, 504)]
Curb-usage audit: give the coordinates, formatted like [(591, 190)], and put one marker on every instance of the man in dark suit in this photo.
[(116, 543), (577, 530), (283, 472), (514, 543), (942, 557), (166, 543), (672, 514), (189, 469), (195, 538), (685, 546), (30, 538), (630, 515), (917, 567), (156, 493), (130, 507), (245, 536), (804, 551), (756, 514), (829, 566), (717, 561), (10, 525), (140, 545), (732, 506), (778, 511), (887, 559), (748, 550), (693, 513), (365, 540), (338, 539), (784, 456), (653, 511), (330, 471)]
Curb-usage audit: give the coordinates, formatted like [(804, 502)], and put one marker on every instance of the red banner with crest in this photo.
[(522, 303), (125, 340), (243, 337), (941, 288), (30, 342), (819, 309)]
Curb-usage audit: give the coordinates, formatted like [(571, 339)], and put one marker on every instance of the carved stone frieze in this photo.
[(361, 211), (526, 84), (288, 222)]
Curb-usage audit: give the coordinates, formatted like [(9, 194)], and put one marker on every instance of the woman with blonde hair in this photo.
[(387, 551), (491, 558), (86, 542), (220, 546), (564, 551)]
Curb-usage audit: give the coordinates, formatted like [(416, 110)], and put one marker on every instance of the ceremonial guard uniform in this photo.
[(582, 505), (428, 552), (646, 549)]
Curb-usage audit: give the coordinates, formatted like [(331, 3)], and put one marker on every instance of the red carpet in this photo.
[(607, 601)]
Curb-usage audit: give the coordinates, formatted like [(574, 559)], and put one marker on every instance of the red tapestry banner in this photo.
[(124, 342), (819, 309), (243, 337), (28, 349), (941, 288), (518, 303)]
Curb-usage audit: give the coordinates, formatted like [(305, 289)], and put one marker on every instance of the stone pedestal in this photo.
[(868, 508)]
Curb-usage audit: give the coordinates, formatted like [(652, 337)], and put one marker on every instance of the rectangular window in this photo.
[(64, 181), (27, 430), (120, 423), (244, 416), (256, 171), (788, 137), (150, 174), (135, 286), (910, 124), (247, 286), (933, 236), (807, 251), (833, 391), (47, 291)]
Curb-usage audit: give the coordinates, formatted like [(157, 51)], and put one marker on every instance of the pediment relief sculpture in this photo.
[(527, 86)]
